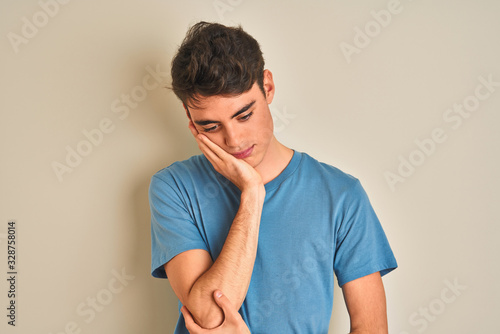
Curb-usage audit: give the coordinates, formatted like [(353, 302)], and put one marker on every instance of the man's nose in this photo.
[(232, 137)]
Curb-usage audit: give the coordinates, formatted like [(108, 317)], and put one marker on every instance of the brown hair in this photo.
[(216, 60)]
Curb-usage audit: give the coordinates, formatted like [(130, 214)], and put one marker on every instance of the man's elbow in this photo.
[(206, 313), (211, 319)]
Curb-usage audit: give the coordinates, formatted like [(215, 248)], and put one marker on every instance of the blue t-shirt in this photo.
[(316, 220)]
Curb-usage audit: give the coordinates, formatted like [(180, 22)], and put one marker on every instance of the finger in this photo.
[(214, 147), (200, 139), (203, 147), (209, 153), (188, 319), (224, 303), (192, 128), (186, 314)]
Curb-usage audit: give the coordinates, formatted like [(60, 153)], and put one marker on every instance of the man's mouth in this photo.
[(243, 154)]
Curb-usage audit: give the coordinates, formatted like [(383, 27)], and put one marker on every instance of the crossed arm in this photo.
[(194, 277), (192, 274), (364, 297)]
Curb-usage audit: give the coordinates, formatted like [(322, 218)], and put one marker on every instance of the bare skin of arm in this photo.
[(233, 323), (366, 304), (192, 275)]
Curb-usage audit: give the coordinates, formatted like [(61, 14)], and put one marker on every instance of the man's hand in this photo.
[(236, 170), (233, 323)]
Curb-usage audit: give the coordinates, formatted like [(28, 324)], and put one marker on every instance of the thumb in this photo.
[(188, 318), (223, 302)]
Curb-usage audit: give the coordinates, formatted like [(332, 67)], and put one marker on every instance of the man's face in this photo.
[(241, 125)]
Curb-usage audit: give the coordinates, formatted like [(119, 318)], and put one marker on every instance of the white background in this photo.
[(362, 112)]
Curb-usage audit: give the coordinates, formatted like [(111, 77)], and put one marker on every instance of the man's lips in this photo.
[(243, 154)]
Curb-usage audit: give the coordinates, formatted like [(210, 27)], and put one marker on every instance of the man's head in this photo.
[(218, 74), (216, 60)]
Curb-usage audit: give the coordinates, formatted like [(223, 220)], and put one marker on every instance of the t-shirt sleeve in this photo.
[(361, 246), (173, 230)]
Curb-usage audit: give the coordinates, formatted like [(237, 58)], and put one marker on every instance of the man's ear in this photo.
[(269, 87)]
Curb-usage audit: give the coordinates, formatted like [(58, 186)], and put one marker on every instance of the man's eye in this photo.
[(247, 116), (210, 129)]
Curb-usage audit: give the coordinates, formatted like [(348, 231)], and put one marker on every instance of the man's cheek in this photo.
[(266, 132)]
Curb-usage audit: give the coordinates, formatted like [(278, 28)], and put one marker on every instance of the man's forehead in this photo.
[(219, 105), (227, 101), (201, 103)]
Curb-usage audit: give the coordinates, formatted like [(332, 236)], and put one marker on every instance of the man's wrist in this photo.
[(254, 192)]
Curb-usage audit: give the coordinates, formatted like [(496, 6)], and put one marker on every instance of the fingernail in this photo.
[(218, 294)]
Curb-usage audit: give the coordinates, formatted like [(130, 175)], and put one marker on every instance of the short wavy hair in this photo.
[(216, 60)]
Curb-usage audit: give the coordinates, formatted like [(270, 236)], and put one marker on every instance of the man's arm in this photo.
[(192, 274), (230, 272), (365, 301), (233, 323)]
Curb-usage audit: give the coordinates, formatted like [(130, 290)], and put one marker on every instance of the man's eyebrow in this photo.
[(242, 110)]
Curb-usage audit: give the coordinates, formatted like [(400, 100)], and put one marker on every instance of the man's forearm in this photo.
[(232, 270)]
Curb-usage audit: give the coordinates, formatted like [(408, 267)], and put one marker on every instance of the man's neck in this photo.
[(277, 158)]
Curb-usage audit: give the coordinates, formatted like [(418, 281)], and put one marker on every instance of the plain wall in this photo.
[(381, 105)]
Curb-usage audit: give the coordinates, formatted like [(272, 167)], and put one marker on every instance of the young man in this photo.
[(266, 225)]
